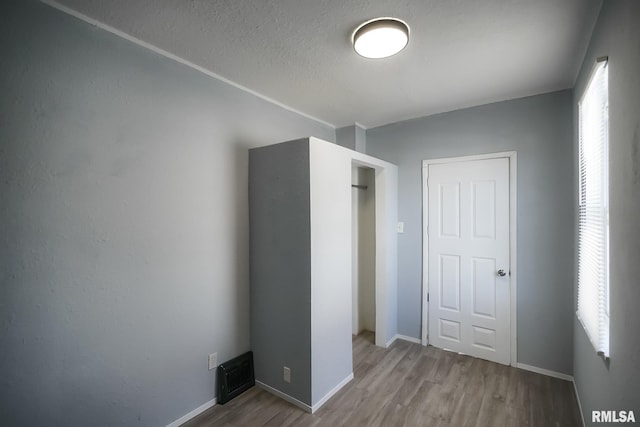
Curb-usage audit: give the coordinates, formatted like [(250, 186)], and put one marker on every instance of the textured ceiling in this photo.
[(298, 52)]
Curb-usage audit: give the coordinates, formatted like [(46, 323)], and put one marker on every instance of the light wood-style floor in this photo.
[(411, 385)]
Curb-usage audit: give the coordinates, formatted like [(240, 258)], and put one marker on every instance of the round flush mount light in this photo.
[(380, 37)]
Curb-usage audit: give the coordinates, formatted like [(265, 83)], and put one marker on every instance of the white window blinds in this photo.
[(593, 228)]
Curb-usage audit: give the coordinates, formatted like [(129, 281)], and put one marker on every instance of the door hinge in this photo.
[(427, 296)]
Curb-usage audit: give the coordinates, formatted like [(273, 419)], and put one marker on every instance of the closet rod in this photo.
[(360, 187)]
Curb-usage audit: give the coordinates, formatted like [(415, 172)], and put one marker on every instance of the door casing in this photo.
[(512, 156)]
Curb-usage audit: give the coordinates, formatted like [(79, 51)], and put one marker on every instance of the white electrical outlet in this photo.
[(213, 361), (401, 227), (287, 375)]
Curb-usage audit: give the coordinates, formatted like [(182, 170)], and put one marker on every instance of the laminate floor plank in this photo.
[(411, 385), (468, 406)]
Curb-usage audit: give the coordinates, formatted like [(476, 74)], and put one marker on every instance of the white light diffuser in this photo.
[(380, 38)]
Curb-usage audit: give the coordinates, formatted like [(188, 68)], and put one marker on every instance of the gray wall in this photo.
[(353, 137), (616, 385), (280, 259), (123, 223), (539, 128), (346, 137)]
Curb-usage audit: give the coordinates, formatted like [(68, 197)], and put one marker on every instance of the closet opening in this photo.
[(363, 237)]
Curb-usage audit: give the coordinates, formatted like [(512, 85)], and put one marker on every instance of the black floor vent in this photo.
[(235, 376)]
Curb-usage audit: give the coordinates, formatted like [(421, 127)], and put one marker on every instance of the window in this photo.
[(593, 221)]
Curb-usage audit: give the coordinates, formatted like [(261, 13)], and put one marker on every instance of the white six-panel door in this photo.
[(468, 258)]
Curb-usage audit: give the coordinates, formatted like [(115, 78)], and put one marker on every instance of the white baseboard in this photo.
[(331, 393), (302, 405), (285, 396), (200, 409), (391, 341), (404, 338), (408, 338), (544, 372), (575, 389)]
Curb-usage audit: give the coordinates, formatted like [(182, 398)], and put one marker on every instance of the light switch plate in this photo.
[(401, 227)]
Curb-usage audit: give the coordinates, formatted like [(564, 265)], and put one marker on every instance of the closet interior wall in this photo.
[(364, 249)]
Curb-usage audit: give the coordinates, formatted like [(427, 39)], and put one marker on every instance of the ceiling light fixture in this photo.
[(380, 37)]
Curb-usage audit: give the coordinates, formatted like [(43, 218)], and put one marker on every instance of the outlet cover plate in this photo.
[(213, 361)]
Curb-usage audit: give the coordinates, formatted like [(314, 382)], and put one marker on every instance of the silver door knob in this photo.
[(501, 273)]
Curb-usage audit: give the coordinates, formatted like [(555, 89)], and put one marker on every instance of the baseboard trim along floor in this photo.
[(331, 393), (543, 371), (186, 417), (302, 405), (284, 396)]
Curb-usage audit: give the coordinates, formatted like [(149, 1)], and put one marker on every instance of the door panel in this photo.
[(483, 287), (468, 238), (450, 330), (450, 282), (484, 202), (450, 210)]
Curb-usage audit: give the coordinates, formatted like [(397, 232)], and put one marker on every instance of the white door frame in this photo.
[(512, 156)]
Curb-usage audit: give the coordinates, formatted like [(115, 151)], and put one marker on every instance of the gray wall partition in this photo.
[(301, 265), (280, 259), (539, 129), (353, 137), (123, 223), (615, 385)]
